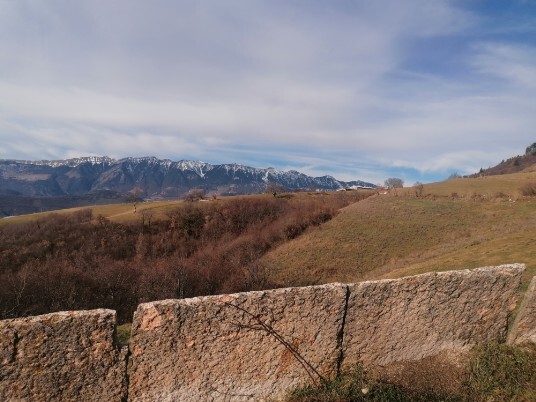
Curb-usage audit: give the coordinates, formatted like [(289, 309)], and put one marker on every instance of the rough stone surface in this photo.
[(67, 356), (243, 347), (524, 329), (205, 349), (443, 373), (415, 317)]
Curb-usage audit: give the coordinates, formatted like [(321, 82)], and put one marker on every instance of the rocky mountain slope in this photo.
[(149, 177)]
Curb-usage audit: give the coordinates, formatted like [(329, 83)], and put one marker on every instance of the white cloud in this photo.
[(318, 83), (512, 62)]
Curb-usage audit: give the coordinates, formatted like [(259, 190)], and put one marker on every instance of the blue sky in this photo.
[(416, 89)]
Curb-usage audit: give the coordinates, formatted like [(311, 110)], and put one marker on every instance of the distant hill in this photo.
[(512, 165), (148, 177)]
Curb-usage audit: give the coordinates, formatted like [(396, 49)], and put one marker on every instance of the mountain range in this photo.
[(92, 179)]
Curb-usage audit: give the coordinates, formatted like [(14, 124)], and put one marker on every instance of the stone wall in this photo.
[(67, 356), (257, 345), (216, 348), (419, 316), (213, 348), (524, 328)]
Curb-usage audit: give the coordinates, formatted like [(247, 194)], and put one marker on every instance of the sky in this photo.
[(362, 89)]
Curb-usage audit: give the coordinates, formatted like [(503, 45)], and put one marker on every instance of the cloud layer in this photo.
[(356, 89)]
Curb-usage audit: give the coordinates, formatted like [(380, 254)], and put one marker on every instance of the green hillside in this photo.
[(461, 223)]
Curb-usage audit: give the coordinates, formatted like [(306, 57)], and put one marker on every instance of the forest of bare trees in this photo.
[(81, 261)]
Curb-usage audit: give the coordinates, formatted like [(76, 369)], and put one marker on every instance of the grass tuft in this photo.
[(499, 372), (123, 334), (353, 386), (493, 373)]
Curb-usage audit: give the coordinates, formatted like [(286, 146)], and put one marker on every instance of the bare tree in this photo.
[(195, 195), (274, 189), (394, 182), (419, 188), (134, 197)]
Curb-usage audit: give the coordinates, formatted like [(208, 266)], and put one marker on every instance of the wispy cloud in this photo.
[(353, 89)]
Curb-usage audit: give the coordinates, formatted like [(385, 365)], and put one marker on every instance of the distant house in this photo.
[(354, 188)]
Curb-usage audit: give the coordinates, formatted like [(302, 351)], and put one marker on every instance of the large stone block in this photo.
[(524, 328), (67, 356), (415, 317), (215, 348)]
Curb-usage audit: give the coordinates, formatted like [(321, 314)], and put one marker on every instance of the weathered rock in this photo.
[(213, 348), (258, 345), (524, 328), (67, 356), (415, 317)]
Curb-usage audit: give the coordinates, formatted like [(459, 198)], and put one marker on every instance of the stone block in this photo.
[(67, 356), (415, 317), (524, 328), (215, 348)]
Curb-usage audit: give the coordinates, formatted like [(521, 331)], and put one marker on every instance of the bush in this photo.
[(195, 195), (529, 189)]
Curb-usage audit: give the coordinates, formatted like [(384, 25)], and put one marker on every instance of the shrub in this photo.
[(501, 195), (84, 215), (529, 189), (195, 195)]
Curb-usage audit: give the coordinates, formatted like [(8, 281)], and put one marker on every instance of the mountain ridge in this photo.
[(149, 177)]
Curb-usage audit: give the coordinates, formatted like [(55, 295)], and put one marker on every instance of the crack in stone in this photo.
[(126, 373), (16, 340), (340, 333)]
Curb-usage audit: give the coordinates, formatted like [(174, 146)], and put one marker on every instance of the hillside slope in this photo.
[(457, 223), (516, 164)]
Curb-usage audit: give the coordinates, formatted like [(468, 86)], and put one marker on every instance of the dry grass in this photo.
[(390, 236), (488, 186), (122, 213), (529, 189), (491, 372)]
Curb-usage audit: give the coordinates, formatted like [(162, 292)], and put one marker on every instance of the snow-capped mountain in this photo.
[(150, 176)]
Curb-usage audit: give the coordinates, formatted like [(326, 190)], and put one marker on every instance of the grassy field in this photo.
[(115, 212), (461, 223), (488, 187)]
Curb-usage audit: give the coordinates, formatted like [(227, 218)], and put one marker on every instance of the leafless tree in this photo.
[(394, 182), (134, 197), (274, 189), (419, 188), (195, 195)]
